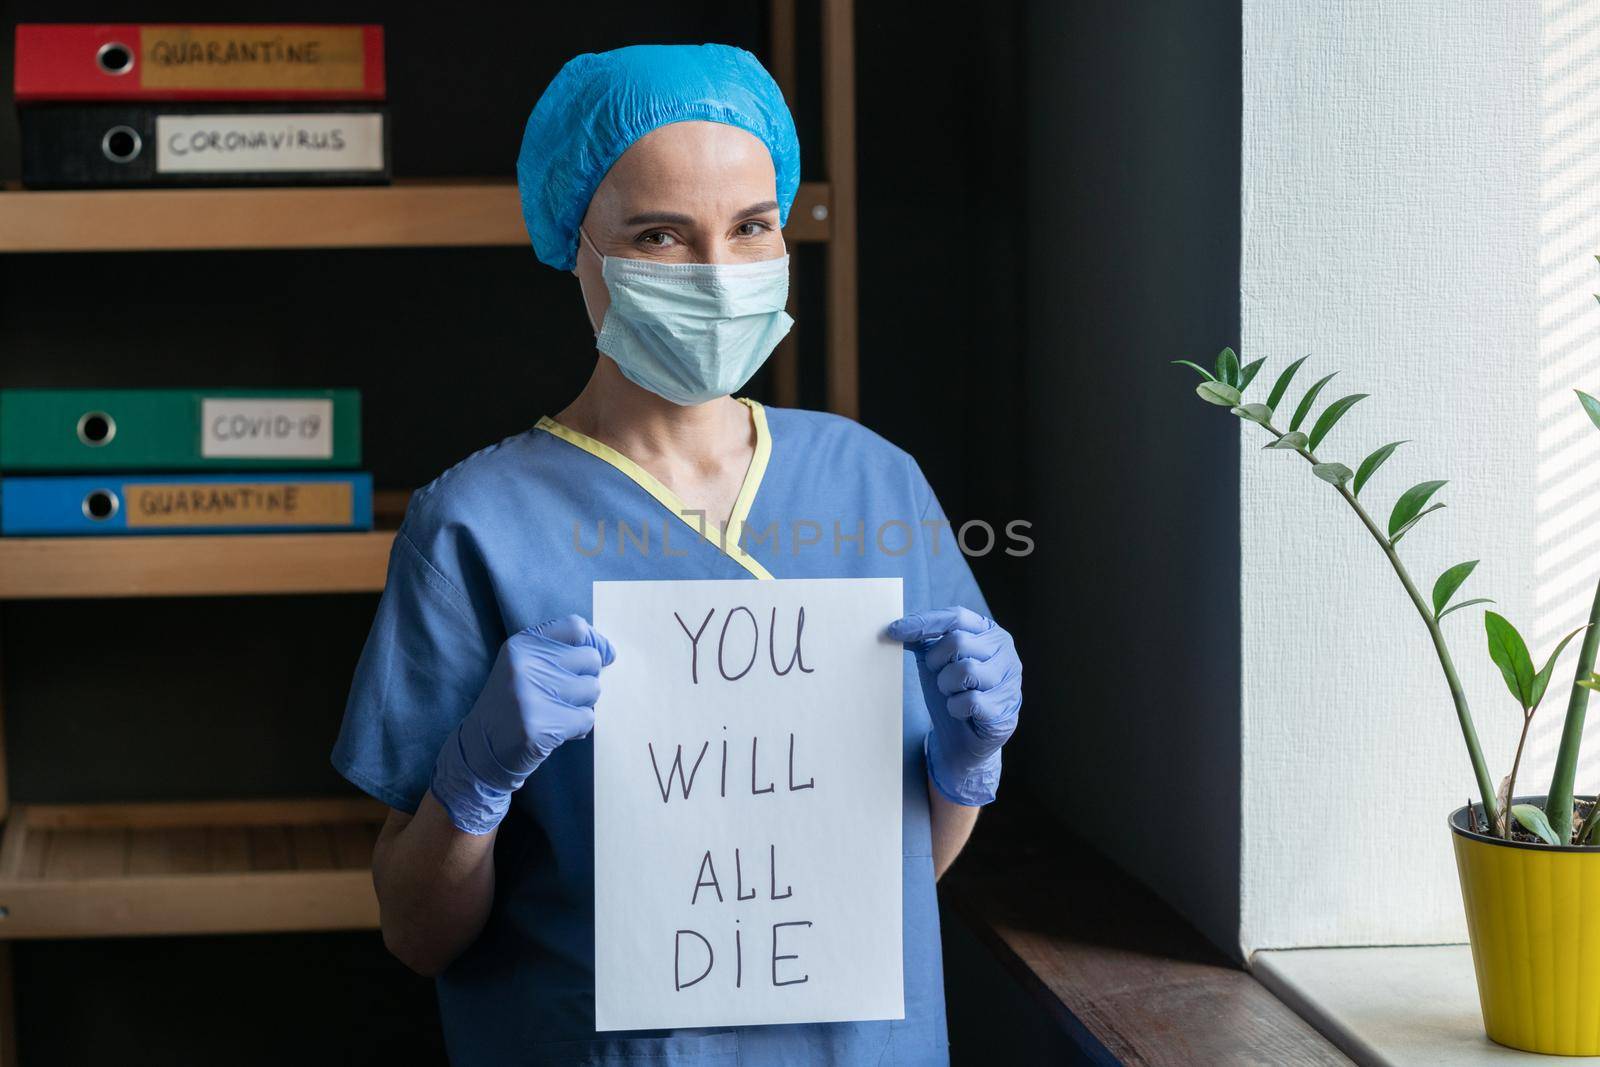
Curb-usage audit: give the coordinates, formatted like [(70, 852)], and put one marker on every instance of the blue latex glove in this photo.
[(540, 694), (969, 669)]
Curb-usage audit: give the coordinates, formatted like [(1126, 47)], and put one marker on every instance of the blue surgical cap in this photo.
[(600, 103)]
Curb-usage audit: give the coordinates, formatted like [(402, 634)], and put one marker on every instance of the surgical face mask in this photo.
[(691, 332)]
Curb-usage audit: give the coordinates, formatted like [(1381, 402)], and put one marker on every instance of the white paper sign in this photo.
[(187, 144), (263, 427), (747, 785)]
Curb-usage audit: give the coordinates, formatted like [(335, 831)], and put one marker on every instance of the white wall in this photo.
[(1417, 212)]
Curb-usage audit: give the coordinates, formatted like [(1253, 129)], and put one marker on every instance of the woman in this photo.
[(661, 176)]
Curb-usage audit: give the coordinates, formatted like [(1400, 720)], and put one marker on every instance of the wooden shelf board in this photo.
[(407, 214), (1123, 977), (61, 568), (105, 870)]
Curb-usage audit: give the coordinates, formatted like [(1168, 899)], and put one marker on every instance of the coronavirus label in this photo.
[(334, 141)]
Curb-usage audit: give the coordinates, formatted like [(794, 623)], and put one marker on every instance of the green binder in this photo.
[(179, 429)]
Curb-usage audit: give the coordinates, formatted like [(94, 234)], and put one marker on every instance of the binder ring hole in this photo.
[(100, 505), (121, 144), (114, 57), (96, 428)]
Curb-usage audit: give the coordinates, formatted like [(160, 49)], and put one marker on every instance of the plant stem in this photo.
[(1558, 804), (1511, 782), (1469, 732)]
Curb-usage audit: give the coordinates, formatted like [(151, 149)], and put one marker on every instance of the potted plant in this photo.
[(1529, 866)]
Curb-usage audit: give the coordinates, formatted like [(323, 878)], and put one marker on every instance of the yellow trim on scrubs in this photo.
[(734, 548)]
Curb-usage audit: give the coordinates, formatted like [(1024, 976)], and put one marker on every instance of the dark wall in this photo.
[(942, 157), (943, 244), (1131, 232)]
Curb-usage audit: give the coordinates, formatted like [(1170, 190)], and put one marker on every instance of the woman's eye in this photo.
[(751, 229), (656, 239)]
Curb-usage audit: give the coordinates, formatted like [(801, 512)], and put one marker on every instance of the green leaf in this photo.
[(1591, 682), (1532, 818), (1370, 465), (1510, 654), (1429, 510), (1254, 412), (1281, 386), (1590, 404), (1448, 583), (1306, 401), (1332, 473), (1218, 393), (1332, 415), (1541, 681), (1294, 439), (1247, 373), (1228, 368), (1463, 604), (1207, 375), (1409, 506)]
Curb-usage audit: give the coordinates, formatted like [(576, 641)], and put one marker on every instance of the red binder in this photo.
[(193, 61)]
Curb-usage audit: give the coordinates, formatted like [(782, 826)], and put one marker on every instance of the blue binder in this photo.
[(132, 504)]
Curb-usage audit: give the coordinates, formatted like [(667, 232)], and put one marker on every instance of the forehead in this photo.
[(689, 162)]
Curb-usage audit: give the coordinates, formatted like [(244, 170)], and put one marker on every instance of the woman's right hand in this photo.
[(540, 694)]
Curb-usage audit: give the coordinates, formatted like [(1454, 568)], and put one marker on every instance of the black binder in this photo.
[(87, 146)]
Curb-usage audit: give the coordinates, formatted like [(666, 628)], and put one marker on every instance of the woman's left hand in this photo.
[(969, 669)]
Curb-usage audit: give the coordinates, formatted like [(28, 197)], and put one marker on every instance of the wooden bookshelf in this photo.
[(66, 568), (249, 866), (407, 214), (210, 867)]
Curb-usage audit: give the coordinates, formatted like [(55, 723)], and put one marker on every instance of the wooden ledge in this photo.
[(1126, 979), (207, 867), (63, 568), (408, 214), (134, 565)]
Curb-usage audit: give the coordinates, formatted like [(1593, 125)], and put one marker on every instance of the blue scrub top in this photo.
[(514, 535)]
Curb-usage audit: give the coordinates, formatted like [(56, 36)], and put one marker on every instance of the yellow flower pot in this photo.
[(1533, 915)]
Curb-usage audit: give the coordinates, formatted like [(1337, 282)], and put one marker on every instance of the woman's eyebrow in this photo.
[(670, 218), (658, 218)]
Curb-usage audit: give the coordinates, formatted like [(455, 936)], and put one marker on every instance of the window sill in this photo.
[(1392, 1007), (1123, 977)]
